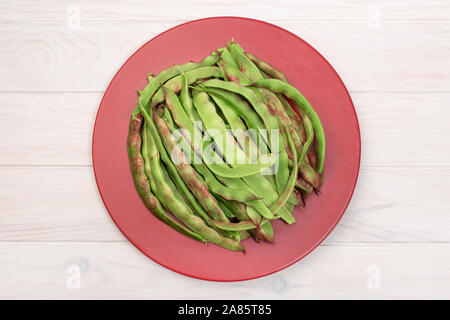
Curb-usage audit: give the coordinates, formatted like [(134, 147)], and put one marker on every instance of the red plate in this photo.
[(307, 70)]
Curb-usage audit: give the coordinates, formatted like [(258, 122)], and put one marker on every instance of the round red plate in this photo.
[(307, 70)]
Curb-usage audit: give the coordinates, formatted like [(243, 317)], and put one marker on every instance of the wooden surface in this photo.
[(393, 241)]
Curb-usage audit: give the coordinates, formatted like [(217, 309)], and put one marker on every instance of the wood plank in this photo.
[(404, 129), (49, 56), (56, 129), (53, 204), (297, 10), (116, 270), (397, 205), (62, 204), (46, 128)]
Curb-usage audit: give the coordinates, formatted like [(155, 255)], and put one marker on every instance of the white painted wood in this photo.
[(53, 204), (390, 205), (54, 68), (117, 270), (283, 10), (49, 56), (47, 128)]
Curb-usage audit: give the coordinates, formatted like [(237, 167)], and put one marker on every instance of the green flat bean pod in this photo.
[(217, 150), (291, 92)]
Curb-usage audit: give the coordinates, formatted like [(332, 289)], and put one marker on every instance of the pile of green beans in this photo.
[(217, 150)]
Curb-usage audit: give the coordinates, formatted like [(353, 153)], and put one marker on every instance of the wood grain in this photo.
[(117, 270), (284, 10), (47, 128), (53, 204), (48, 56)]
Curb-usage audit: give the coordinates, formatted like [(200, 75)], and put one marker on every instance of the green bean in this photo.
[(296, 121), (276, 108), (217, 129), (256, 182), (230, 67), (266, 68), (271, 123), (293, 198), (246, 66), (261, 187), (179, 208), (195, 184), (182, 120), (306, 170), (187, 173), (299, 196), (291, 182), (180, 117), (239, 210), (225, 209), (235, 69), (245, 234), (291, 92), (238, 127), (194, 75), (222, 190), (141, 180), (303, 185), (265, 230), (286, 214), (274, 105), (240, 186), (172, 170), (243, 109), (298, 135), (167, 116), (240, 170), (175, 84), (146, 149), (185, 97), (310, 137), (235, 73), (154, 83), (235, 193), (312, 155), (309, 174), (289, 207), (226, 58), (269, 99)]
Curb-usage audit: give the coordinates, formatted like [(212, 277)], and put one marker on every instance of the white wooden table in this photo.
[(56, 60)]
